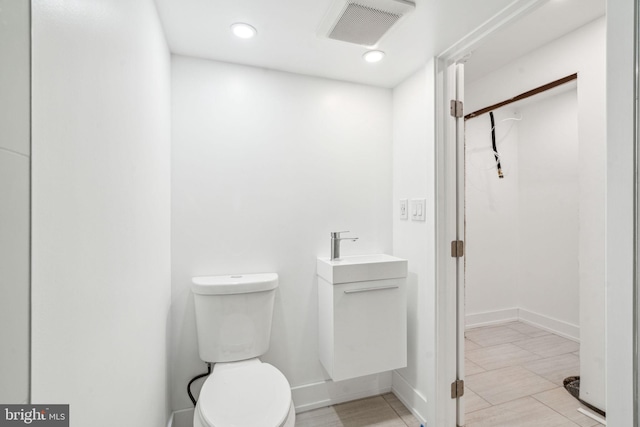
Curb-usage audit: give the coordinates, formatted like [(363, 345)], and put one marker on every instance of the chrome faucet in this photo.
[(335, 243)]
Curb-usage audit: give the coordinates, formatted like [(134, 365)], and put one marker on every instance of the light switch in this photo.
[(418, 209), (404, 209)]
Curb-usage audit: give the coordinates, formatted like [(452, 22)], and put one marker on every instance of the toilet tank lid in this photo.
[(234, 284)]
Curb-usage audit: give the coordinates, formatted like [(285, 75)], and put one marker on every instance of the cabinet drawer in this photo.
[(365, 325)]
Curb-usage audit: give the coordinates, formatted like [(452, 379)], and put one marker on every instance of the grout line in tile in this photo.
[(538, 357), (568, 419), (473, 342), (521, 365), (394, 409), (397, 414), (527, 369)]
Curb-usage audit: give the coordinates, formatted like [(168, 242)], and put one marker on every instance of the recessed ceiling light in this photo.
[(242, 30), (373, 56)]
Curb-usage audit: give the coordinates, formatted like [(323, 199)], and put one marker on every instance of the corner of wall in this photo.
[(414, 177)]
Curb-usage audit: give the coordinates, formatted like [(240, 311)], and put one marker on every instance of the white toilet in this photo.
[(233, 318)]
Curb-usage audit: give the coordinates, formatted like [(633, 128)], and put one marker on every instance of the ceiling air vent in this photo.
[(363, 22)]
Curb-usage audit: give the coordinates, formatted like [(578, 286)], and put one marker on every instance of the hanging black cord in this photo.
[(493, 143), (196, 378)]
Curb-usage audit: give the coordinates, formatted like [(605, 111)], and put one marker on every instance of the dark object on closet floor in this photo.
[(572, 385)]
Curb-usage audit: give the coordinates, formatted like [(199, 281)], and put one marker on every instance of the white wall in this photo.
[(15, 128), (492, 219), (264, 165), (582, 51), (549, 202), (101, 211), (413, 177), (522, 231), (620, 215)]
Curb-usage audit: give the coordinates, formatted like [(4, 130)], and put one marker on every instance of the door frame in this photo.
[(623, 255), (449, 189)]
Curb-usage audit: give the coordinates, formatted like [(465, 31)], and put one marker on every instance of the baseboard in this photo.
[(411, 398), (315, 395), (181, 418), (326, 393), (558, 327), (490, 318)]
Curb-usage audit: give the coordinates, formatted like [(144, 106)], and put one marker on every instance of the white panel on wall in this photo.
[(264, 165), (15, 43), (621, 80), (14, 277), (15, 133), (101, 211)]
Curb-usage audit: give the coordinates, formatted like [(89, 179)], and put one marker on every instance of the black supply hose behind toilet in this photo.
[(197, 377)]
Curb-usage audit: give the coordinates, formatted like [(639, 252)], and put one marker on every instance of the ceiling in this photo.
[(287, 37), (544, 24)]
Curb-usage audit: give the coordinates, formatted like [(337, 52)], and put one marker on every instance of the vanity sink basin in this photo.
[(361, 268)]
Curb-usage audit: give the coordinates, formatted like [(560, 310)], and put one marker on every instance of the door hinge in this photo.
[(457, 248), (456, 109), (457, 389)]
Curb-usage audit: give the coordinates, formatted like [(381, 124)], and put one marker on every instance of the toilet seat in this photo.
[(247, 395)]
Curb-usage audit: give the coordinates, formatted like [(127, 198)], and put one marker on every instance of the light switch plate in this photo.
[(404, 209), (418, 209)]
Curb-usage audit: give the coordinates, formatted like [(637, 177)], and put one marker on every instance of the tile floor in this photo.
[(378, 411), (514, 376)]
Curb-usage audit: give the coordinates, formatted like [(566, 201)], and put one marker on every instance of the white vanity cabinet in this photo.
[(362, 324)]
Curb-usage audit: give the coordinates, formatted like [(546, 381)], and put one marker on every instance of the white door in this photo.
[(456, 126)]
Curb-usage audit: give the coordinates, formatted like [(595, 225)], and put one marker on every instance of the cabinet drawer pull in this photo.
[(354, 291)]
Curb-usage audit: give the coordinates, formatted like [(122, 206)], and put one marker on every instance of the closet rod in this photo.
[(523, 96)]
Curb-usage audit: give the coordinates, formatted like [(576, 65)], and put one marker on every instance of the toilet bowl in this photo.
[(248, 393), (233, 319)]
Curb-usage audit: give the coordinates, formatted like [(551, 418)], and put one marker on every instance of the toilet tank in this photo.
[(233, 315)]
